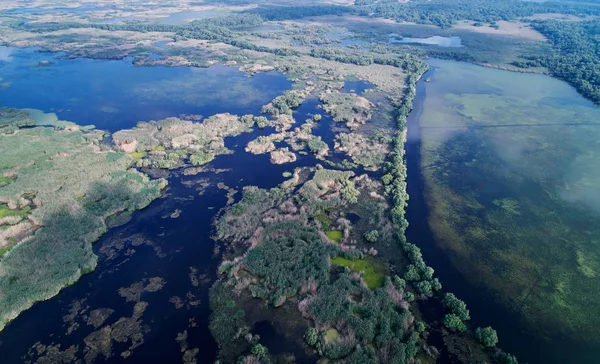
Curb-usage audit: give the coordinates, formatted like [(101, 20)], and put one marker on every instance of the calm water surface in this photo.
[(504, 192), (114, 95), (453, 42)]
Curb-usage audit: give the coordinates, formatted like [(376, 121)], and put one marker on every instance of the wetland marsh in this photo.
[(205, 182)]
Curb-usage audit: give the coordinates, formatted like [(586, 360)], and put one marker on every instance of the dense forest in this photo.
[(444, 13), (575, 57)]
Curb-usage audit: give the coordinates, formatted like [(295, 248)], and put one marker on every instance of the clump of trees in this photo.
[(283, 104), (459, 314), (285, 261)]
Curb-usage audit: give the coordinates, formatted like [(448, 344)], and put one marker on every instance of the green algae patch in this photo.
[(374, 273), (335, 236), (331, 335)]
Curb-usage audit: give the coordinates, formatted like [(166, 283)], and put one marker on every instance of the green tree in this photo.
[(259, 351), (454, 323), (456, 306), (487, 336), (372, 236), (311, 336)]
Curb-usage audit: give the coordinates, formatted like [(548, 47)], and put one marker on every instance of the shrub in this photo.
[(424, 288), (411, 274), (487, 336), (506, 358)]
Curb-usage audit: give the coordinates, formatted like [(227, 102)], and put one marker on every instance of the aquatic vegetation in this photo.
[(335, 236), (52, 168), (331, 336), (11, 119), (517, 195)]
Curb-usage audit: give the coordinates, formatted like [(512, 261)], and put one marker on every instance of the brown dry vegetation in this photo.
[(507, 28)]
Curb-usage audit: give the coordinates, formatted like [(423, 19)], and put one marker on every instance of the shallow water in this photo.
[(509, 165), (453, 42), (114, 95)]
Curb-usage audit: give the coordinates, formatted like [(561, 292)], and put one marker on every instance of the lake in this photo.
[(114, 95), (505, 202), (453, 42)]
